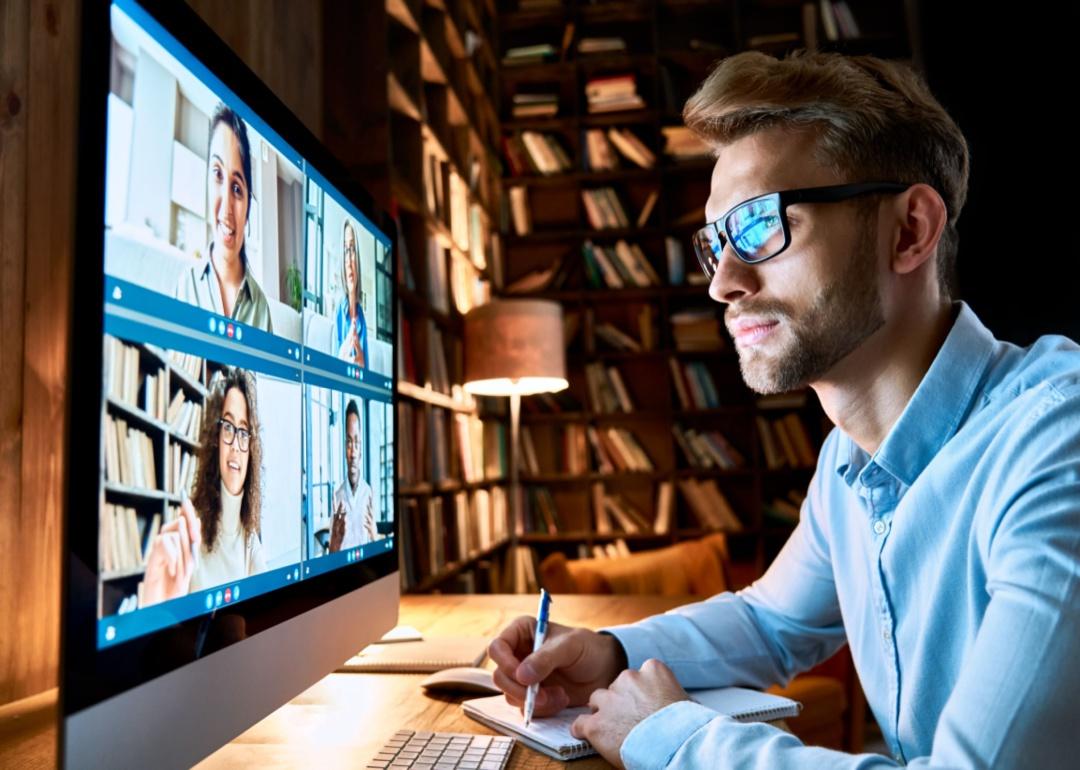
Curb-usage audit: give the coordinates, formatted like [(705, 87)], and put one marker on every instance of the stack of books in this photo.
[(680, 143), (696, 330), (604, 210), (613, 93), (594, 45), (535, 105), (529, 54)]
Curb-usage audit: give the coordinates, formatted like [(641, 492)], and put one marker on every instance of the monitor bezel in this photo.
[(88, 675)]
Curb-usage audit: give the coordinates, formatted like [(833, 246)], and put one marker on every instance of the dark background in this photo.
[(1007, 75)]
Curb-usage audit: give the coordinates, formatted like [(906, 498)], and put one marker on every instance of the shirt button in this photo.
[(879, 527), (886, 634)]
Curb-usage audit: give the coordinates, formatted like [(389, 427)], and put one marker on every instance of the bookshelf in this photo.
[(414, 121), (152, 404), (601, 192)]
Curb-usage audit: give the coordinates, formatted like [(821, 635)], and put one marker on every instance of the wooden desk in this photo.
[(343, 720)]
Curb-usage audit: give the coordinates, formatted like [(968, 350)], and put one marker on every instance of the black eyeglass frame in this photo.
[(827, 194), (242, 435)]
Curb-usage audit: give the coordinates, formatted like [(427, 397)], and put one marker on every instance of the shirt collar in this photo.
[(209, 271), (939, 405)]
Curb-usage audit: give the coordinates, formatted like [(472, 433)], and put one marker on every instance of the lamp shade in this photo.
[(515, 347)]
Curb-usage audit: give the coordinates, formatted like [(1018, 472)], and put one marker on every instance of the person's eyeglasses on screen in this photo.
[(757, 229), (230, 433)]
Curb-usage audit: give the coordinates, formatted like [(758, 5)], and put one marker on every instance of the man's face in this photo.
[(352, 448), (795, 316)]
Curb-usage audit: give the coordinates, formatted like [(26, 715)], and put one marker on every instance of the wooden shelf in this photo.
[(429, 396), (453, 569)]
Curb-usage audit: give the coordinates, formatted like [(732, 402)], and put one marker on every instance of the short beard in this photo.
[(843, 315)]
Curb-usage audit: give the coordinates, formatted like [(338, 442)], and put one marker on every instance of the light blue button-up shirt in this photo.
[(949, 560)]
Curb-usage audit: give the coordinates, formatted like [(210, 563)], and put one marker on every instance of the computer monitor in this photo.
[(230, 528)]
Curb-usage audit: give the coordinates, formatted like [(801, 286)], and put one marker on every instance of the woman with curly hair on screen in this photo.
[(216, 538)]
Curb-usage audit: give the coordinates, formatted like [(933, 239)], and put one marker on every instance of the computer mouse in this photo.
[(462, 679)]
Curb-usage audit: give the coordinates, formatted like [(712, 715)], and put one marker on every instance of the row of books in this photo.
[(707, 449), (533, 152), (124, 376), (611, 93), (613, 512), (605, 211), (181, 467), (481, 447), (677, 267), (614, 267), (437, 376), (436, 535), (619, 266), (573, 457), (709, 505), (617, 449), (607, 390), (694, 385), (540, 513), (121, 538), (184, 416), (785, 442), (129, 455), (192, 365), (539, 53), (599, 154)]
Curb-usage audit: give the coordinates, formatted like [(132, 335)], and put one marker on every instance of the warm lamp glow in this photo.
[(515, 347)]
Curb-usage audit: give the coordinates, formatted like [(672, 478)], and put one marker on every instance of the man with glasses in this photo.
[(354, 503), (940, 535)]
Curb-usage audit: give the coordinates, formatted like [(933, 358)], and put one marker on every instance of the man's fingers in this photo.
[(550, 701), (508, 685), (500, 652), (580, 728), (555, 654), (598, 698)]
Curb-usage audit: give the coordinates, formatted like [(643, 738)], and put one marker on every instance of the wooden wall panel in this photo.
[(14, 62), (281, 41), (41, 153)]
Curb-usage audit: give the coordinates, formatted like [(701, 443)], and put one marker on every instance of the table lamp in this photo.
[(515, 348)]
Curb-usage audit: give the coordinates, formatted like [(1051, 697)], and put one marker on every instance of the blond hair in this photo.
[(875, 120)]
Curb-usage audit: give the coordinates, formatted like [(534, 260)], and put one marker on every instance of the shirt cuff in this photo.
[(654, 740), (638, 643)]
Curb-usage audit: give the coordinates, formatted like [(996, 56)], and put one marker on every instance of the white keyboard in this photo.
[(442, 751)]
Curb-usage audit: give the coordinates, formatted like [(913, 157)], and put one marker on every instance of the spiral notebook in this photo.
[(552, 736), (429, 655)]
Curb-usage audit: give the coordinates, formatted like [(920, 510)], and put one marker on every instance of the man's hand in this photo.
[(171, 563), (337, 528), (571, 664), (632, 697)]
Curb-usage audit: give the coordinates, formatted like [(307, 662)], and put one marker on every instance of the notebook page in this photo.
[(551, 731)]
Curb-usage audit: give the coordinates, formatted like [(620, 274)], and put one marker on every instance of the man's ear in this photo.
[(919, 217)]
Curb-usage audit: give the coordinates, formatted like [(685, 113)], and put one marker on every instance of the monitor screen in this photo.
[(246, 418), (234, 302)]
